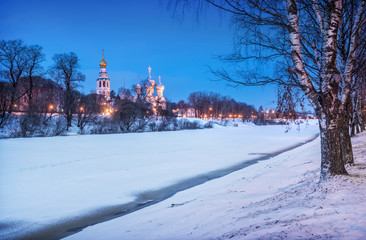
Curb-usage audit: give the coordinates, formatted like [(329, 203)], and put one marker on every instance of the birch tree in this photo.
[(302, 37)]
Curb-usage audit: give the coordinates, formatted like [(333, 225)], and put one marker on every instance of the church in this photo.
[(103, 82), (158, 99), (155, 100)]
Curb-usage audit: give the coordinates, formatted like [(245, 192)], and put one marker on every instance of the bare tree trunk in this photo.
[(346, 143), (353, 132), (353, 114), (30, 95), (331, 153), (362, 120)]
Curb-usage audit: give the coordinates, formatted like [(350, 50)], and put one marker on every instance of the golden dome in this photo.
[(103, 63), (160, 87)]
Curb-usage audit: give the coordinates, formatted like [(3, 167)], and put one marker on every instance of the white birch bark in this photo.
[(326, 103)]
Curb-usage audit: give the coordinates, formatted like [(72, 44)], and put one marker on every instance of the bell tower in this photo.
[(103, 82)]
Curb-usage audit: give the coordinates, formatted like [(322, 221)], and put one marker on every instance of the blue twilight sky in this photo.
[(134, 35)]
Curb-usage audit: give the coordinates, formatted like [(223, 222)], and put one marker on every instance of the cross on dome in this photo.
[(103, 63), (149, 72)]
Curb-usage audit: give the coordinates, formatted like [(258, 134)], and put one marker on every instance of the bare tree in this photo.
[(19, 64), (88, 109), (13, 64), (131, 116), (35, 57), (302, 37), (357, 103), (65, 71), (5, 102)]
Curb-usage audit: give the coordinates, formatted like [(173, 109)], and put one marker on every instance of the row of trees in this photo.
[(319, 50), (214, 105)]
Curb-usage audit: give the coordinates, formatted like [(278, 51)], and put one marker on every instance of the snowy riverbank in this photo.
[(276, 199)]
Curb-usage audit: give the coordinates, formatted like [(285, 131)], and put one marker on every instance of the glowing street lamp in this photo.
[(51, 107), (81, 109)]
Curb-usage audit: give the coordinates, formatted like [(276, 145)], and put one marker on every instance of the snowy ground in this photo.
[(47, 182), (276, 199)]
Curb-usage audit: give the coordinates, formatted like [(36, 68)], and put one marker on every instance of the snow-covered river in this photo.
[(48, 182)]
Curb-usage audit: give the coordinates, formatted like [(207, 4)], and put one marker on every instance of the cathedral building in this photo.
[(158, 100), (103, 82)]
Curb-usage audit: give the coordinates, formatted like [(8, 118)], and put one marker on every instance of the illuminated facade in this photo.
[(103, 82), (155, 100)]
